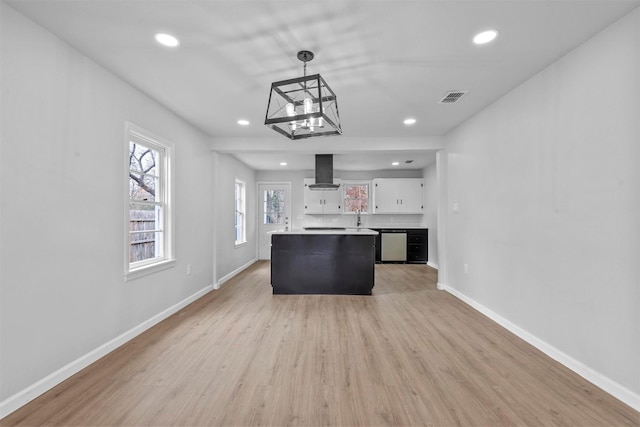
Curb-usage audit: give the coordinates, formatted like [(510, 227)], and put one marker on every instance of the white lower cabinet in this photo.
[(318, 202), (393, 196)]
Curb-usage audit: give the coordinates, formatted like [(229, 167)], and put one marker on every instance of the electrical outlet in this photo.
[(188, 269), (466, 269)]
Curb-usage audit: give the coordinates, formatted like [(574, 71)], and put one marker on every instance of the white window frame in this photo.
[(343, 187), (132, 270), (242, 210)]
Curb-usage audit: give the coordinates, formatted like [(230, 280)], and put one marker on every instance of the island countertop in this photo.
[(334, 231)]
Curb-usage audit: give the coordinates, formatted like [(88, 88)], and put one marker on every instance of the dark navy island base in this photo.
[(322, 263)]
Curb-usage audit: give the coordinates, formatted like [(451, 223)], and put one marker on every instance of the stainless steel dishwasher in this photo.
[(393, 245)]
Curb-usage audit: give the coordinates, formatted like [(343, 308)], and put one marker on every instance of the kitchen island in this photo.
[(323, 261)]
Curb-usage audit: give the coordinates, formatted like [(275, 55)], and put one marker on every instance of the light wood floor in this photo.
[(408, 355)]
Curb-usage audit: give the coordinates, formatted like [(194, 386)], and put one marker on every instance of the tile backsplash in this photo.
[(368, 220)]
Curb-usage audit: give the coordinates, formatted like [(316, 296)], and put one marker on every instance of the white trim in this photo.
[(243, 211), (259, 209), (441, 286), (149, 269), (234, 273), (166, 188), (366, 182), (432, 264), (605, 383), (215, 214), (26, 395), (441, 176), (274, 182)]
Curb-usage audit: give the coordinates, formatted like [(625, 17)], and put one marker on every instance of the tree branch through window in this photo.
[(144, 162)]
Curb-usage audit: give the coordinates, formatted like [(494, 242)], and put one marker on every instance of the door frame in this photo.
[(259, 209)]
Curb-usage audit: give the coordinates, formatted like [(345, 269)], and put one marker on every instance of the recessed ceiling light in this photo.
[(243, 122), (283, 163), (409, 121), (395, 163), (485, 36), (166, 39)]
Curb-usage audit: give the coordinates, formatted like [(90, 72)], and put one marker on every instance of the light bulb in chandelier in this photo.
[(291, 111), (307, 105)]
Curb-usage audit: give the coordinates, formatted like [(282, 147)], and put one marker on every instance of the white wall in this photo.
[(548, 185), (62, 222), (334, 145), (299, 219), (430, 174), (230, 258)]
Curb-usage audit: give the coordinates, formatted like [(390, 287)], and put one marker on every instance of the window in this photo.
[(356, 196), (274, 207), (240, 213), (148, 203)]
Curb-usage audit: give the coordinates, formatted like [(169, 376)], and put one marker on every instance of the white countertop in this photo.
[(348, 231), (399, 227)]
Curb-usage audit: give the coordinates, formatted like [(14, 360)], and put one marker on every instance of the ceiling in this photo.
[(385, 59), (351, 161)]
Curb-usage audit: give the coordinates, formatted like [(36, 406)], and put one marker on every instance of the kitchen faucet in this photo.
[(358, 219)]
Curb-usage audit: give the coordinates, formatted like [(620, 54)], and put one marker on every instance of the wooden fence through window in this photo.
[(143, 245)]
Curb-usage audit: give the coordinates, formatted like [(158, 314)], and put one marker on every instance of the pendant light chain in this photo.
[(305, 75)]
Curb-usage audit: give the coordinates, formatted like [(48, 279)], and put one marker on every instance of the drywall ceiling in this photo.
[(354, 161), (385, 59)]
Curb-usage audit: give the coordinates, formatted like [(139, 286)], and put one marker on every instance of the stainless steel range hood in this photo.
[(324, 173)]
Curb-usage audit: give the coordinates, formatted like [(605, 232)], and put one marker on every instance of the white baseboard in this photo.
[(605, 383), (441, 286), (23, 397), (432, 264), (234, 273)]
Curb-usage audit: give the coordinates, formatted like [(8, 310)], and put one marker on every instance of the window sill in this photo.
[(149, 269), (241, 244)]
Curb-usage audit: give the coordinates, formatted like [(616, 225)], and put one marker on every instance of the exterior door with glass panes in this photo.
[(274, 213)]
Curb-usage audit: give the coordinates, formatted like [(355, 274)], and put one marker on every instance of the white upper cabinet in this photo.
[(393, 196), (411, 194), (318, 202), (385, 196)]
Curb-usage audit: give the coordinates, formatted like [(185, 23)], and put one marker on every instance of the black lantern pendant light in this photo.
[(304, 107)]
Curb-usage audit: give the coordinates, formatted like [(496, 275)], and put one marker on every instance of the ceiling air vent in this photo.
[(453, 96)]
